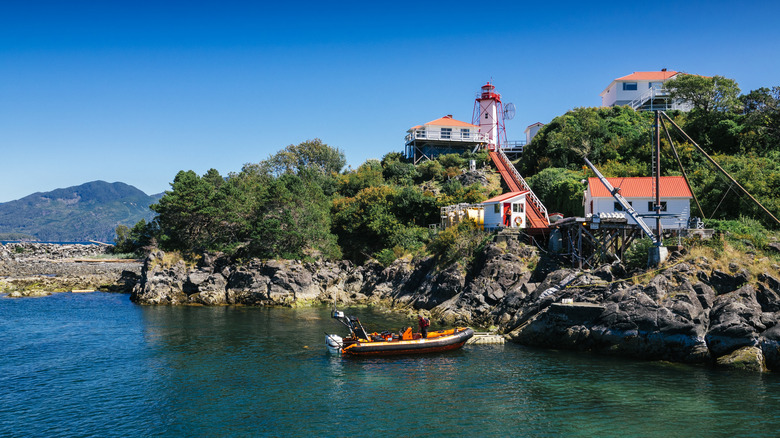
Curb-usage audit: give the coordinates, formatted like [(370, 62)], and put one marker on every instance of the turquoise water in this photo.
[(98, 365)]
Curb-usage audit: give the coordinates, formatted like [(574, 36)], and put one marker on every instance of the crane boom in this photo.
[(622, 201)]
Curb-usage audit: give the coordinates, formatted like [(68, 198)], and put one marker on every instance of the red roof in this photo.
[(641, 187), (504, 197), (448, 121), (648, 76)]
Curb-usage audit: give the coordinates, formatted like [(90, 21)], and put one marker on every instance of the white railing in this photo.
[(472, 137), (658, 93), (514, 146), (531, 195)]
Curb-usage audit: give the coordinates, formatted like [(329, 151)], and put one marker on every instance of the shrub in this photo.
[(637, 255), (458, 244)]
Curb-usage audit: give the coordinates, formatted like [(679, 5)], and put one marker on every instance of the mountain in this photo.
[(90, 211)]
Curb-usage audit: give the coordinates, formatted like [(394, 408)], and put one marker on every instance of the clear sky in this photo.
[(134, 91)]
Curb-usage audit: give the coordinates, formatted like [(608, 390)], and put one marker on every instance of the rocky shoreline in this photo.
[(36, 269), (687, 312)]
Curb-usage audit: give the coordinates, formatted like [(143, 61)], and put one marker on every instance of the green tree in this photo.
[(412, 207), (311, 154), (369, 174), (706, 94), (601, 134), (721, 200), (293, 221), (430, 170), (186, 213), (453, 192), (122, 243), (136, 240), (762, 120), (400, 173), (560, 190), (365, 223)]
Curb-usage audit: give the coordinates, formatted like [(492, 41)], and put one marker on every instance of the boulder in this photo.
[(735, 321), (770, 347), (745, 358), (161, 284)]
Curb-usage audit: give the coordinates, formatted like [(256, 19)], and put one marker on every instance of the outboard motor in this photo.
[(334, 343)]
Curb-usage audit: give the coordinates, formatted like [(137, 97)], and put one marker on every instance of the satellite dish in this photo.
[(509, 111)]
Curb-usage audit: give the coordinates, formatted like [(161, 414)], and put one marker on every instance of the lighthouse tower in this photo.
[(489, 116)]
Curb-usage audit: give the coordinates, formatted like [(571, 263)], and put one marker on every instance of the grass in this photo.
[(172, 258)]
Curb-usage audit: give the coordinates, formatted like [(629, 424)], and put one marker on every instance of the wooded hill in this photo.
[(90, 211)]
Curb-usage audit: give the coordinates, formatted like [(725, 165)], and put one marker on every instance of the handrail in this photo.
[(652, 93), (515, 145), (473, 137), (524, 185)]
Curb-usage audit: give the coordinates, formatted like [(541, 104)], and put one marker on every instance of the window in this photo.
[(496, 208), (629, 86), (518, 207), (446, 133), (650, 206), (465, 133), (619, 207), (656, 85)]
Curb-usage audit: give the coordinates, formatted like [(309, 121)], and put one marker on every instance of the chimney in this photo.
[(663, 69), (449, 116)]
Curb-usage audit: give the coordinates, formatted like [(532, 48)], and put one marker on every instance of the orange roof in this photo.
[(648, 76), (504, 197), (449, 121), (641, 187)]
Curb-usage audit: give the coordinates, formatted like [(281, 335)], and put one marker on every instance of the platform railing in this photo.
[(472, 137)]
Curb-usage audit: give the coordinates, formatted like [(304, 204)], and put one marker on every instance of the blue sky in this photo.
[(136, 91)]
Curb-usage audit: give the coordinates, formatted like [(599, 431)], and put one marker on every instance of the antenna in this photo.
[(509, 111)]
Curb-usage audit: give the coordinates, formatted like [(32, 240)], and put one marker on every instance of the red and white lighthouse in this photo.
[(489, 116)]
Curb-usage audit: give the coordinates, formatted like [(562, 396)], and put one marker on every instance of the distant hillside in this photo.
[(90, 211)]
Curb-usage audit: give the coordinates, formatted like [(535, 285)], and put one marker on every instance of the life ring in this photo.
[(518, 221)]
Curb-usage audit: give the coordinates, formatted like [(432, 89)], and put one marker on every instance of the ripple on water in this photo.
[(97, 365)]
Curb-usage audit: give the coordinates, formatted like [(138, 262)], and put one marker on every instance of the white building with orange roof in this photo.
[(444, 135), (506, 210), (638, 191), (642, 90)]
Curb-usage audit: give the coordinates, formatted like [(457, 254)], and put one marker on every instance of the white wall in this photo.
[(615, 95), (673, 205), (609, 98), (495, 220), (456, 132), (531, 131), (489, 125)]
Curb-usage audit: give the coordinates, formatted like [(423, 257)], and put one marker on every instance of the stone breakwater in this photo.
[(33, 269), (688, 312)]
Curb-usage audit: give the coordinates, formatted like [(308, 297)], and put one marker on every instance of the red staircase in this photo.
[(536, 215)]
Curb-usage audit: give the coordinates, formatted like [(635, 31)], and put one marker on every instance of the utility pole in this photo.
[(659, 239), (658, 253)]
